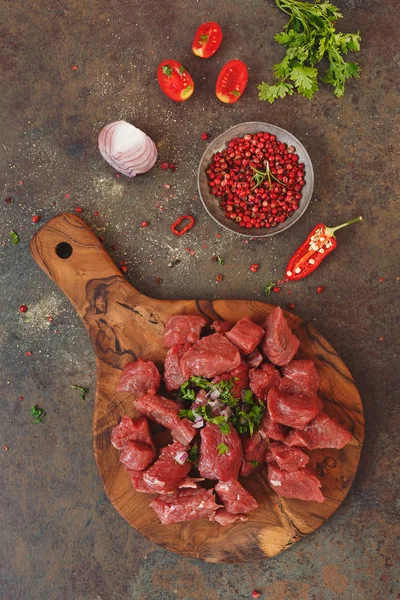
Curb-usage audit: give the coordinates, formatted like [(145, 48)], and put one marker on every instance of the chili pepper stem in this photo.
[(331, 230)]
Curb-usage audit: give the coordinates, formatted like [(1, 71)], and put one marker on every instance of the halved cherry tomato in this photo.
[(231, 81), (207, 40), (174, 80)]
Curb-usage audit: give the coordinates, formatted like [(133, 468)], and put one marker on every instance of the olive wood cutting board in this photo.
[(123, 325)]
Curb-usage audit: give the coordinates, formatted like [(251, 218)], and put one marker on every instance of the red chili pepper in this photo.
[(320, 242), (179, 221)]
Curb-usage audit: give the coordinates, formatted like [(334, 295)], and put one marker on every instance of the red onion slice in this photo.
[(126, 148), (181, 457)]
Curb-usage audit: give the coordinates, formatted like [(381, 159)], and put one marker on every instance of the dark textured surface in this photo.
[(60, 538)]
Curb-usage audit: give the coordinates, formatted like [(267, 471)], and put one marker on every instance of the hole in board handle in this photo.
[(63, 250)]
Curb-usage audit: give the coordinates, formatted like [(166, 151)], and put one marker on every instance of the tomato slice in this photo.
[(231, 81), (207, 40), (174, 80)]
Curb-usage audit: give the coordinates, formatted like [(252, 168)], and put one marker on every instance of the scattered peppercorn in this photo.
[(291, 306), (254, 267), (5, 448), (144, 224), (28, 353), (114, 247), (124, 268), (78, 209), (172, 166), (381, 339), (75, 67), (96, 213), (204, 136), (36, 218), (50, 319), (256, 594), (8, 200), (21, 398), (23, 308), (158, 280), (320, 289), (219, 278), (164, 166), (381, 279), (276, 289)]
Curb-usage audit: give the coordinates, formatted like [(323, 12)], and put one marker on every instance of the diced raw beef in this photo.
[(166, 474), (221, 326), (131, 429), (140, 377), (301, 484), (182, 329), (173, 375), (269, 429), (236, 499), (280, 344), (240, 377), (254, 359), (300, 377), (321, 432), (212, 464), (138, 483), (137, 456), (254, 449), (289, 459), (210, 356), (185, 505), (246, 335), (165, 412), (224, 518), (294, 410), (263, 379)]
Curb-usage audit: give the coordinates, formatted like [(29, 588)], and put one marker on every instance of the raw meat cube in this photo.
[(223, 517), (131, 429), (180, 329), (173, 375), (221, 326), (269, 429), (263, 379), (246, 335), (300, 377), (294, 410), (140, 377), (254, 449), (236, 499), (185, 505), (166, 474), (240, 377), (254, 359), (165, 412), (288, 459), (210, 356), (301, 484), (321, 432), (200, 400), (214, 464), (137, 456), (280, 344)]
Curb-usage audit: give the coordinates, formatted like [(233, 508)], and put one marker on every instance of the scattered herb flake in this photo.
[(193, 454), (235, 93), (186, 414), (37, 413), (255, 463), (203, 39), (181, 70), (166, 70), (82, 391), (267, 289), (222, 448), (14, 237)]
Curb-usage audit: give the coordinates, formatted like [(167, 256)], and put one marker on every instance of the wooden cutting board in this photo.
[(123, 325)]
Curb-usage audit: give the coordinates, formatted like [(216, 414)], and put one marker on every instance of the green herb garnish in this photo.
[(222, 448), (193, 454), (82, 391), (181, 70), (235, 93), (259, 177), (166, 70), (187, 414), (267, 289), (38, 414), (254, 463), (203, 39), (14, 237), (309, 37), (220, 260)]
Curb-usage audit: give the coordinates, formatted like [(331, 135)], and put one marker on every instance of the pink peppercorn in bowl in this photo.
[(256, 179)]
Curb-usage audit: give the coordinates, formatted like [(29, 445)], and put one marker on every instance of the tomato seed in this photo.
[(28, 353), (78, 209), (164, 166), (23, 308), (320, 289), (204, 136), (36, 218), (144, 224)]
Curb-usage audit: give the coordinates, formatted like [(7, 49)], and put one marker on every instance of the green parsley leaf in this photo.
[(187, 393), (203, 39), (14, 237), (220, 260), (193, 454), (166, 70), (235, 93), (187, 414), (181, 70), (200, 382), (82, 391), (248, 397), (254, 463), (38, 414), (267, 289), (222, 448), (272, 92)]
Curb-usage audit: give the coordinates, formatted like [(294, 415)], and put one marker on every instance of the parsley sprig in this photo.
[(37, 413), (267, 289), (308, 37), (82, 391)]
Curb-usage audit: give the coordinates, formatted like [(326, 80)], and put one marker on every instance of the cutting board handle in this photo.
[(72, 255)]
